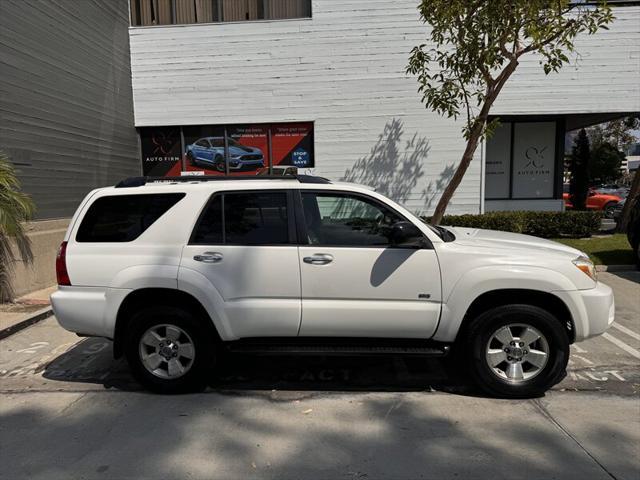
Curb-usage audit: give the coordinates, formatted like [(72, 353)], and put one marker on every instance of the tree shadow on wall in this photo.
[(394, 167)]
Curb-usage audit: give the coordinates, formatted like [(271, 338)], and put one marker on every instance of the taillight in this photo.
[(61, 265)]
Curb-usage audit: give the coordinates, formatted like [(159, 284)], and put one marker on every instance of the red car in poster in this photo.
[(595, 201)]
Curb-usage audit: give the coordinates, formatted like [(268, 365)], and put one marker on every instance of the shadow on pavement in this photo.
[(632, 276), (91, 361)]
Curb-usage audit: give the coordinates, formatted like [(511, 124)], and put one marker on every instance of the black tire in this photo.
[(483, 327), (608, 209), (192, 159), (203, 345), (219, 163)]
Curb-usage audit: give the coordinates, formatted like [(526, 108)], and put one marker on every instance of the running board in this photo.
[(342, 348)]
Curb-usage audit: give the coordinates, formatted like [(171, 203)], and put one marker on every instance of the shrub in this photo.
[(541, 224)]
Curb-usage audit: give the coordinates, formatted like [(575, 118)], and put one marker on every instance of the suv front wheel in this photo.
[(167, 350), (516, 351)]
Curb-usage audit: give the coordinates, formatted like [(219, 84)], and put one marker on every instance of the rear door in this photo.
[(354, 283), (245, 245)]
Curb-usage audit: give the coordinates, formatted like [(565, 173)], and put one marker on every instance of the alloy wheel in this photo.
[(517, 352), (167, 351)]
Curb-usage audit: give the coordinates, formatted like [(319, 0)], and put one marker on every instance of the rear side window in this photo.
[(245, 218), (123, 218)]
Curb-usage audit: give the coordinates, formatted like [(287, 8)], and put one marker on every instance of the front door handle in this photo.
[(209, 257), (318, 259)]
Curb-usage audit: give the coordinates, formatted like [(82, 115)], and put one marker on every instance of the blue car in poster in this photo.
[(208, 152)]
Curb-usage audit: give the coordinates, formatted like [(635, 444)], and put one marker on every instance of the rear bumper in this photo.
[(90, 311), (593, 310)]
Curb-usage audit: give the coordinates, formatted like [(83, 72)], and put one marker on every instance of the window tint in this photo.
[(345, 220), (123, 218), (202, 143), (251, 218), (209, 228)]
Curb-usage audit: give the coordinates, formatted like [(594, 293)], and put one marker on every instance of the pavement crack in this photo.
[(545, 413), (62, 412)]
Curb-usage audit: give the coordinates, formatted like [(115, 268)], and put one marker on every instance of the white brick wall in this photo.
[(344, 69)]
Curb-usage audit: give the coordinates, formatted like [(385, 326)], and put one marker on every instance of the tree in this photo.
[(15, 208), (605, 162), (474, 48), (579, 169), (618, 133)]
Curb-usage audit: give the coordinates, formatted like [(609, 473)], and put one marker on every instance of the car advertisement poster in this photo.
[(246, 151)]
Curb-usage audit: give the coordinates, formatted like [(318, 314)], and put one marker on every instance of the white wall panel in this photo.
[(344, 69)]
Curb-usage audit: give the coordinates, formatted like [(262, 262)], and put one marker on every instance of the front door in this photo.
[(244, 245), (354, 283)]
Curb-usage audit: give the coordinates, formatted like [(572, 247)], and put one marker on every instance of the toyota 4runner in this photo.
[(176, 270)]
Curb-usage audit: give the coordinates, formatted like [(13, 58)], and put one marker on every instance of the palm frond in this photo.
[(16, 207)]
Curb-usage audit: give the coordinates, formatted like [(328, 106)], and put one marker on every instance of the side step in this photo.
[(270, 347)]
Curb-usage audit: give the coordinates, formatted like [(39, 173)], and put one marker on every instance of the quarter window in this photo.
[(345, 220), (123, 218), (245, 218)]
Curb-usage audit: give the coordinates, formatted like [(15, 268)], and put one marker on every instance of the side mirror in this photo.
[(406, 234)]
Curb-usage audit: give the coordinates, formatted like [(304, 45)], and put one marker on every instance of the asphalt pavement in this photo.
[(68, 410)]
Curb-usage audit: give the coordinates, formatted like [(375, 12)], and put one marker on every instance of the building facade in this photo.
[(66, 112), (327, 91)]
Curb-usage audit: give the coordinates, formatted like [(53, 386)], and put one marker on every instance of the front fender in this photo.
[(485, 279)]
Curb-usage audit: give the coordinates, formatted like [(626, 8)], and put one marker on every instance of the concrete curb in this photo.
[(615, 268), (27, 322)]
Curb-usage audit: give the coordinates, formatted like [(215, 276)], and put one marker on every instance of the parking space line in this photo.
[(625, 330), (630, 350)]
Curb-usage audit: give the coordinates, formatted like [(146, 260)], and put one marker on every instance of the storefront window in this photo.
[(521, 161), (180, 12), (245, 149)]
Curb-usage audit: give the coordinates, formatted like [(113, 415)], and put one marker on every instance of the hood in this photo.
[(242, 150), (507, 240)]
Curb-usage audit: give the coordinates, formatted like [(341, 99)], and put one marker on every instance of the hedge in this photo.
[(541, 224)]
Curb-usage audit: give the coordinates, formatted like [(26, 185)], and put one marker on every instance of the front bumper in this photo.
[(593, 310), (245, 164)]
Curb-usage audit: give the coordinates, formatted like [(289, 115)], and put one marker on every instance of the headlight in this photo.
[(235, 157), (586, 265)]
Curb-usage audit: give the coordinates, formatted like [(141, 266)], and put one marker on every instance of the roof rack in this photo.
[(140, 181)]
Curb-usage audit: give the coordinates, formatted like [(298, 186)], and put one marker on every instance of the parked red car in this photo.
[(595, 201)]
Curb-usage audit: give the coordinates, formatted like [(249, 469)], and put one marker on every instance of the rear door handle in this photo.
[(318, 259), (209, 257)]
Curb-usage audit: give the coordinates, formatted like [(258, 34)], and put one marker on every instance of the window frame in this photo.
[(291, 221), (301, 224)]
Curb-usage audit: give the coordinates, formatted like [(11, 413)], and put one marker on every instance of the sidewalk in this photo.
[(33, 306)]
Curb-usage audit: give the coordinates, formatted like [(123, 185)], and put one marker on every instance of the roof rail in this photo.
[(140, 181)]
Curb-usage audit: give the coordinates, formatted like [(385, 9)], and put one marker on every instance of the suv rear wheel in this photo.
[(167, 350), (516, 351)]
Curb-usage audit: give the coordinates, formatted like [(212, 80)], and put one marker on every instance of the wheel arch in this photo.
[(157, 297), (509, 296)]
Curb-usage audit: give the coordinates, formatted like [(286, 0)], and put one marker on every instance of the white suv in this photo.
[(177, 270)]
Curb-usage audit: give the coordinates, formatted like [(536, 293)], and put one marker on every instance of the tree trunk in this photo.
[(634, 193), (467, 156), (472, 142)]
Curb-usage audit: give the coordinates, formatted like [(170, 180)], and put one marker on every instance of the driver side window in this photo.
[(335, 219)]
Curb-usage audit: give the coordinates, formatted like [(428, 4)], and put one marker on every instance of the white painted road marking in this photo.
[(630, 350), (579, 349), (631, 333)]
